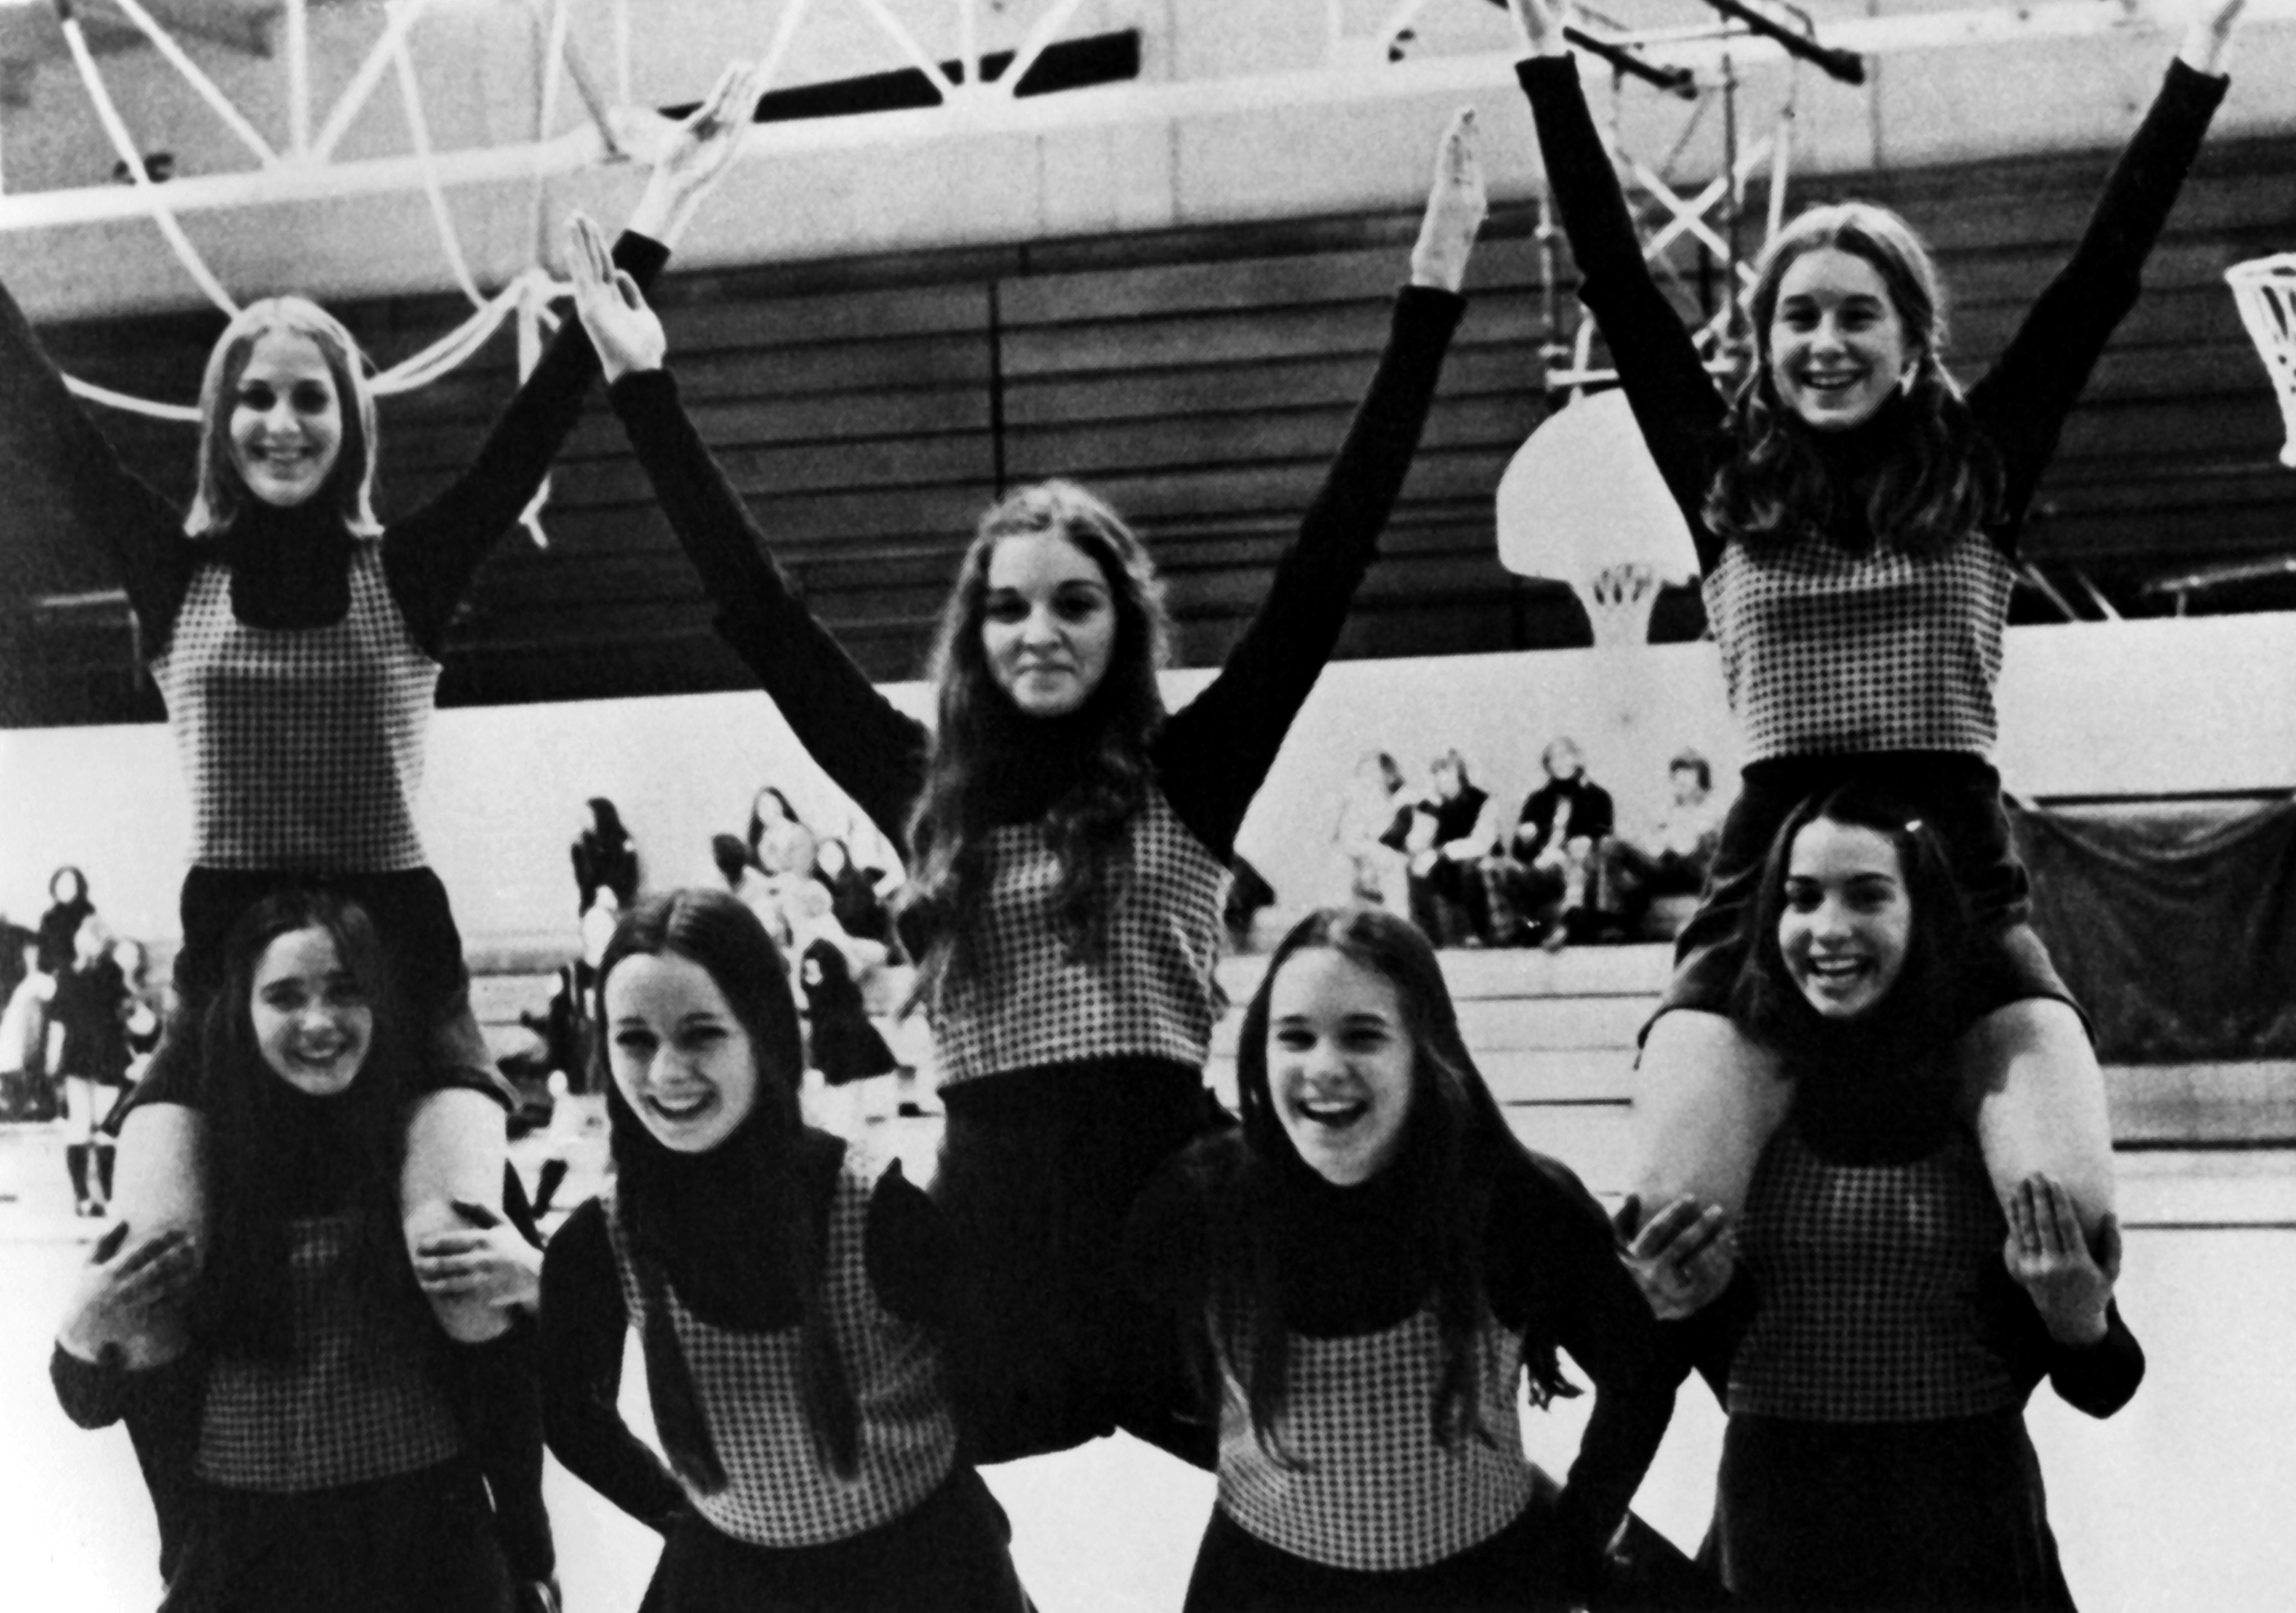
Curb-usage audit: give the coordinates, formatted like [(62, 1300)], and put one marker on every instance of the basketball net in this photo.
[(2265, 288), (1619, 601)]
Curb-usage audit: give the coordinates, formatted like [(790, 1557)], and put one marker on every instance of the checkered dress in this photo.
[(1151, 994), (778, 1493), (1825, 651), (1871, 1279), (354, 1402), (303, 747), (1377, 1491)]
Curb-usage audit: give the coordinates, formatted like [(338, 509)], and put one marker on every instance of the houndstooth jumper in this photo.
[(1026, 1002), (1375, 1491), (303, 747), (1871, 1279), (1826, 651), (778, 1493), (354, 1401)]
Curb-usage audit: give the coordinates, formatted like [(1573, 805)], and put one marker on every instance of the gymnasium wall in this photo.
[(2141, 707)]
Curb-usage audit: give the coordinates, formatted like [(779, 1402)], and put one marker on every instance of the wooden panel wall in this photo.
[(869, 410)]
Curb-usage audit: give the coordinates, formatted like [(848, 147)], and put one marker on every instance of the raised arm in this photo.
[(1675, 401), (1212, 757), (2021, 403), (873, 751), (583, 1329), (431, 555), (50, 450)]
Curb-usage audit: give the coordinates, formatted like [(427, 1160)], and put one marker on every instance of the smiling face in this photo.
[(286, 424), (684, 1063), (1848, 920), (1340, 1061), (1048, 623), (313, 1021), (1838, 344)]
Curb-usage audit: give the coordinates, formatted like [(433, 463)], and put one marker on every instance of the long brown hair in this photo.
[(979, 729), (242, 1306), (716, 931), (1455, 1139), (1771, 482)]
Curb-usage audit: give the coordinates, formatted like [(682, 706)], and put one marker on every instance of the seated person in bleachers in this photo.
[(1669, 859), (1451, 834), (1539, 884), (853, 893), (1373, 822), (754, 891)]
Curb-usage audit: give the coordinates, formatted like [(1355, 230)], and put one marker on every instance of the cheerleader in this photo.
[(302, 1451), (1887, 1322), (1068, 842), (1856, 516), (1376, 1264), (788, 1295)]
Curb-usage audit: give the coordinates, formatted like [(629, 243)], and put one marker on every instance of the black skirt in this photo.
[(1885, 1518)]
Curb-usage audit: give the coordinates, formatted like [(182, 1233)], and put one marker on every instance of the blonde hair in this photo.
[(351, 483)]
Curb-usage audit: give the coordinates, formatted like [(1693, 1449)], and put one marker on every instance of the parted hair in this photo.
[(716, 931), (241, 1307), (979, 733), (1771, 483), (1454, 1140), (1926, 1006), (350, 485)]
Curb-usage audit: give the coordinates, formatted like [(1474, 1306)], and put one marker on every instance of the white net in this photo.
[(2266, 291), (1619, 601)]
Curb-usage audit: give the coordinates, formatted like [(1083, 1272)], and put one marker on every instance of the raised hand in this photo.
[(1540, 23), (690, 156), (490, 1261), (1457, 205), (2208, 39), (122, 1292), (625, 331), (2070, 1283), (1682, 1257)]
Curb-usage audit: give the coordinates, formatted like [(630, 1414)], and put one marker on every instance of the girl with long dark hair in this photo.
[(789, 1293), (1887, 1321), (303, 1450), (1067, 838), (1856, 513), (1372, 1266)]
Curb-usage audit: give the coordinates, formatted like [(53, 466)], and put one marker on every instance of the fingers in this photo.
[(1680, 1231), (2061, 1227), (627, 285), (2107, 1253), (477, 1215), (452, 1246)]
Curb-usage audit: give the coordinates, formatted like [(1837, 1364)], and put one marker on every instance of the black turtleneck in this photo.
[(1350, 1263), (2020, 406), (290, 567), (1209, 758), (718, 1262)]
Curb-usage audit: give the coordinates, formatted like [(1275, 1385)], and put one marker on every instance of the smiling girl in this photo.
[(1856, 514), (1372, 1267), (303, 1450), (1876, 1352), (1068, 840), (790, 1296)]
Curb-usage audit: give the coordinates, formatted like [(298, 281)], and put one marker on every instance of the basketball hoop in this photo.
[(2265, 288), (1619, 601)]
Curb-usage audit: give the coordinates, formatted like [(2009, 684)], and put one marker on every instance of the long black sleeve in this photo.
[(430, 556), (52, 452), (1212, 757), (1675, 401), (2098, 1378), (1604, 1322), (874, 752), (914, 1259), (584, 1325), (2022, 401)]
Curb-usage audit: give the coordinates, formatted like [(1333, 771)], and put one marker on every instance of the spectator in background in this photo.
[(752, 889), (88, 1041), (25, 1093), (781, 847), (853, 895), (1538, 885), (19, 955), (1670, 860), (604, 858), (1374, 821), (1451, 834), (59, 925)]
